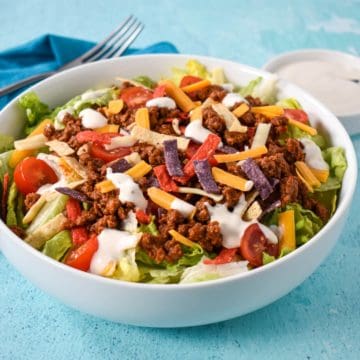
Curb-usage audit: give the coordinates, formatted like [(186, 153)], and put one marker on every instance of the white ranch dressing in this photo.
[(231, 99), (112, 244), (59, 118), (328, 81), (129, 190), (162, 102), (232, 226), (92, 119), (196, 131), (182, 207), (53, 162), (313, 156)]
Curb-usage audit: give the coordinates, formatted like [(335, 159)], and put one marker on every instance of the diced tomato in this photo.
[(189, 79), (80, 258), (251, 132), (205, 151), (160, 91), (254, 243), (5, 192), (225, 256), (99, 152), (95, 137), (31, 173), (135, 96), (297, 114), (142, 217), (165, 180), (79, 234)]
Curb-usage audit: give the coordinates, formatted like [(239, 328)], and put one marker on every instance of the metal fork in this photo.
[(113, 45)]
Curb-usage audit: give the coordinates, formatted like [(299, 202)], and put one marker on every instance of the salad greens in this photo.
[(179, 229)]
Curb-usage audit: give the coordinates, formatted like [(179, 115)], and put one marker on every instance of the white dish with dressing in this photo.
[(333, 77), (174, 305)]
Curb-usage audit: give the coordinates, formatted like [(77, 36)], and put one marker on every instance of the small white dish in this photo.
[(350, 119), (174, 305)]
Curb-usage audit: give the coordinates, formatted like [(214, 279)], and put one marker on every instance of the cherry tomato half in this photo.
[(297, 114), (31, 173), (136, 96), (159, 91), (99, 152), (189, 79), (80, 258), (254, 243)]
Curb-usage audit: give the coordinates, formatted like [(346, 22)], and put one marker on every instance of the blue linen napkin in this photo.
[(49, 52)]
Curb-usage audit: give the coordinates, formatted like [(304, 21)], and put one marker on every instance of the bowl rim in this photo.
[(340, 210)]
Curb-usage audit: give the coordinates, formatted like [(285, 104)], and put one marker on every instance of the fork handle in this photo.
[(27, 81)]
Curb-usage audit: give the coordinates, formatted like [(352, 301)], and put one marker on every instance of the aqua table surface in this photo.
[(318, 320)]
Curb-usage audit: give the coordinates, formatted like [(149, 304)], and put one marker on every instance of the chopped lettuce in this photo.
[(58, 245), (149, 228), (6, 142), (4, 167), (165, 272), (249, 88), (307, 223), (289, 103), (203, 272), (35, 110), (48, 212), (146, 81), (296, 133), (11, 217), (327, 198), (192, 67), (267, 259), (127, 268), (335, 157), (266, 90), (89, 98)]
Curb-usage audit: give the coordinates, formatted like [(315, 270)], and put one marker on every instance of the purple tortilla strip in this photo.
[(77, 195), (172, 161), (276, 204), (261, 183), (153, 181), (203, 173), (228, 149), (120, 166)]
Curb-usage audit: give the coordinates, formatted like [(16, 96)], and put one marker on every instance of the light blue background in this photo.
[(318, 320)]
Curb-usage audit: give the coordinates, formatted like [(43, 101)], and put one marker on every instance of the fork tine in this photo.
[(129, 41), (95, 49), (123, 43), (113, 42)]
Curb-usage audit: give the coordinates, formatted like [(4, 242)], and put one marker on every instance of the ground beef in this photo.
[(30, 200), (289, 189), (212, 121), (107, 221), (274, 166), (231, 196), (236, 139), (214, 92), (274, 147), (253, 101), (169, 221), (160, 249), (166, 129), (124, 118), (150, 153), (248, 119), (93, 166), (294, 151), (279, 126), (202, 213), (18, 231), (68, 134)]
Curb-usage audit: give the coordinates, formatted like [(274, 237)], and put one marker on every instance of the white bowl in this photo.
[(174, 305), (351, 121)]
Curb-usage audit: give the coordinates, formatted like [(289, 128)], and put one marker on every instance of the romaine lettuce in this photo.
[(149, 228), (58, 245), (127, 268), (192, 67), (249, 88), (6, 142), (146, 81), (335, 157), (289, 103), (11, 218), (35, 110)]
